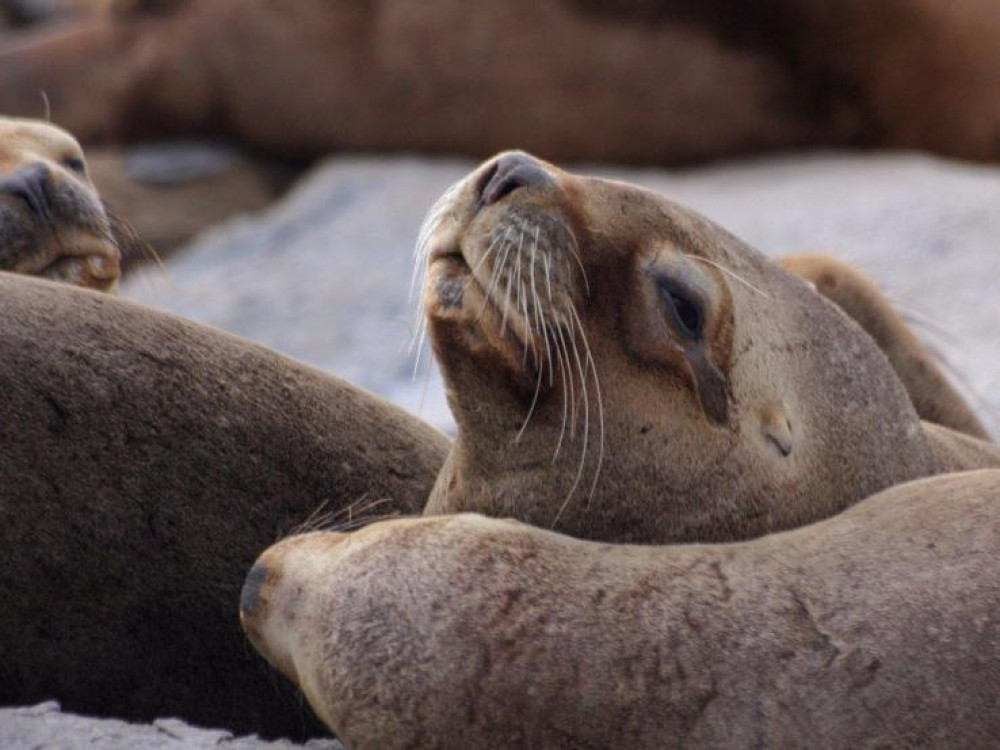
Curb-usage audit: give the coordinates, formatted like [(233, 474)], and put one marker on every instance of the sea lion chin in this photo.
[(52, 221), (622, 369)]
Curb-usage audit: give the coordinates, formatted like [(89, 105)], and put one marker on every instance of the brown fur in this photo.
[(63, 232), (696, 434), (932, 394), (632, 80), (146, 461), (877, 628)]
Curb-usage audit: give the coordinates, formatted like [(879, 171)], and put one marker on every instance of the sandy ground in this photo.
[(324, 276)]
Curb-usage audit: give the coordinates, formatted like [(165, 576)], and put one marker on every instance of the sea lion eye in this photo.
[(75, 164), (684, 310)]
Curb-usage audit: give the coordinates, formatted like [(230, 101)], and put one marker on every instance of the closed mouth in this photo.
[(79, 259)]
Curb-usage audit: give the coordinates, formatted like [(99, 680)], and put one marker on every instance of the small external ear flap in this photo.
[(777, 428)]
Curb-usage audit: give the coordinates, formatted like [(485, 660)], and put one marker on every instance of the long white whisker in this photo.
[(729, 273), (548, 275), (497, 269), (576, 256), (510, 284), (572, 390), (540, 314), (600, 402), (421, 335), (529, 331), (522, 299), (531, 409), (489, 250), (586, 404), (565, 391)]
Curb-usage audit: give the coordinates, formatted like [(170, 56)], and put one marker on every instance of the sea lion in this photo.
[(933, 395), (877, 628), (145, 461), (558, 77), (622, 369), (19, 13), (52, 221)]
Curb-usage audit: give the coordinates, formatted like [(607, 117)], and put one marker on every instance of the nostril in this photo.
[(30, 184), (250, 595), (513, 171)]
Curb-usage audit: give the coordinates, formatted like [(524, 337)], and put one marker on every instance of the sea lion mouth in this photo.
[(511, 272), (77, 258)]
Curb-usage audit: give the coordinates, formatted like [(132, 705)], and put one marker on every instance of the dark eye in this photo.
[(683, 308), (75, 164)]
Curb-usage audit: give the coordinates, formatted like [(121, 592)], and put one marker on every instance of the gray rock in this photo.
[(46, 727), (180, 161)]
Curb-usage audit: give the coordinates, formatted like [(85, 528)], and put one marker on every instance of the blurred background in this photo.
[(280, 154)]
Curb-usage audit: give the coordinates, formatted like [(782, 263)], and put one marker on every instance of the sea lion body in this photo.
[(877, 627), (621, 369), (144, 463), (52, 221), (558, 77)]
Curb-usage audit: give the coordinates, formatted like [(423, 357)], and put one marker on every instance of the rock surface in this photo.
[(170, 192), (46, 727)]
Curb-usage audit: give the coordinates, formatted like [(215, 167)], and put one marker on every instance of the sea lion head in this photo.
[(282, 605), (52, 221), (621, 368)]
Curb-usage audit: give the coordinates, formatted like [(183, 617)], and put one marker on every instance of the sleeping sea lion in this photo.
[(145, 461), (622, 369), (877, 628), (52, 221)]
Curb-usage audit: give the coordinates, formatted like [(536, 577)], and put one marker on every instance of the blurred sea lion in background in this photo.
[(648, 81), (52, 221), (145, 461), (933, 395), (876, 628), (622, 369)]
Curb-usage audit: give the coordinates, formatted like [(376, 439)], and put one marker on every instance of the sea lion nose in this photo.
[(511, 171), (30, 184), (250, 595)]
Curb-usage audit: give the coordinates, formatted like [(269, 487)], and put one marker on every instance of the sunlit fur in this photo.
[(580, 407)]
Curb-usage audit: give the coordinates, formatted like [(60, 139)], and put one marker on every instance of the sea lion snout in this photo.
[(274, 600), (30, 186), (52, 220), (510, 171), (250, 594)]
